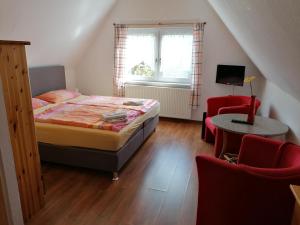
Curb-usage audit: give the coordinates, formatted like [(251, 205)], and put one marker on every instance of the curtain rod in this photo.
[(157, 24)]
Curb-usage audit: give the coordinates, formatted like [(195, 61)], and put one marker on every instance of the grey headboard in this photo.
[(46, 78)]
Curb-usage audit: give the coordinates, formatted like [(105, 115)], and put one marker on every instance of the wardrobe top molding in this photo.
[(11, 42)]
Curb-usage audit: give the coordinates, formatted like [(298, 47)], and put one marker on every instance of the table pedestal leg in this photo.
[(231, 143), (225, 144)]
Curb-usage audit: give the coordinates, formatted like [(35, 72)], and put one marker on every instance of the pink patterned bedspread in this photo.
[(87, 116), (88, 112), (116, 102)]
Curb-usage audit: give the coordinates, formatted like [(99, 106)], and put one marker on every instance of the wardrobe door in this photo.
[(17, 96), (3, 205)]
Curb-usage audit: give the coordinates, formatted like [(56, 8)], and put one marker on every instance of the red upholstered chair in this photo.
[(223, 105), (253, 192)]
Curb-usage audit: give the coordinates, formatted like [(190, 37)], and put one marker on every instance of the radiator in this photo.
[(174, 102)]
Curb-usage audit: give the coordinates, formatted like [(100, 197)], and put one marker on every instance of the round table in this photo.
[(262, 126)]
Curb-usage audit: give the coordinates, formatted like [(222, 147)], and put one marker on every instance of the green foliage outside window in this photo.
[(142, 69)]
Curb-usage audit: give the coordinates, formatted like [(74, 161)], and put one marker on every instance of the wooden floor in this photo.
[(157, 187)]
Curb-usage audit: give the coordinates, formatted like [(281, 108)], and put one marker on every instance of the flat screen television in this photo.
[(230, 74)]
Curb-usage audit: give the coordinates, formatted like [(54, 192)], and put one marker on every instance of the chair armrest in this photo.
[(257, 104), (244, 109), (203, 125), (289, 175), (228, 194), (258, 151)]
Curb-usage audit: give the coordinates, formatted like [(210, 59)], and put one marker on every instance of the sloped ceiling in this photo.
[(269, 32), (57, 29)]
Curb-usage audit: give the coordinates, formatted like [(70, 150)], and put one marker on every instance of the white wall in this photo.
[(269, 33), (58, 30), (282, 106), (95, 70)]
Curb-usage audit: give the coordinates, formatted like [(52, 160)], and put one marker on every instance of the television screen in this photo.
[(229, 74)]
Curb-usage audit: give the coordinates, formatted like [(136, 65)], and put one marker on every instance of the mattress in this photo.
[(65, 135)]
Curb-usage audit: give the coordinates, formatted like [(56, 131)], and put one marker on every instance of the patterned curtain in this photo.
[(198, 31), (119, 58)]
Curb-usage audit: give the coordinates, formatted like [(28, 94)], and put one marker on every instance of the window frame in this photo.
[(157, 78)]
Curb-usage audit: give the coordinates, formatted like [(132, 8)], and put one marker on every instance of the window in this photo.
[(159, 55)]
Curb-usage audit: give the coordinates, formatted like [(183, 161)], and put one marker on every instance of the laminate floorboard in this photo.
[(158, 186)]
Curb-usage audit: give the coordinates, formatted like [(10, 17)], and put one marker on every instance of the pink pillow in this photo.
[(38, 103), (58, 96)]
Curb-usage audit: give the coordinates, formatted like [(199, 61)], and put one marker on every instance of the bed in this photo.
[(102, 150)]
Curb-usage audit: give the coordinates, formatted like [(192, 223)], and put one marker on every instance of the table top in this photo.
[(262, 126)]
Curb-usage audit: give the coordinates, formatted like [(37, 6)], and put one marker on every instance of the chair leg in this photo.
[(218, 143), (232, 142), (203, 125), (209, 137), (115, 176)]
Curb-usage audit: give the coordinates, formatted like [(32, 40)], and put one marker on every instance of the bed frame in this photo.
[(43, 79)]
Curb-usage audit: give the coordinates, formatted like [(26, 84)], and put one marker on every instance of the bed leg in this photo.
[(115, 176)]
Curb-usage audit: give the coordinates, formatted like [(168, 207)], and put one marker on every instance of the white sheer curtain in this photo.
[(142, 50), (176, 56)]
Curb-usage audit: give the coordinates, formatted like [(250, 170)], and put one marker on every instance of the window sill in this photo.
[(159, 84)]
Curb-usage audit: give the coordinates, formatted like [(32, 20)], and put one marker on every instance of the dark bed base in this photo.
[(99, 159)]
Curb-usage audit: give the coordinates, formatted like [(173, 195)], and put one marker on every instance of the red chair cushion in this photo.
[(210, 125), (259, 152)]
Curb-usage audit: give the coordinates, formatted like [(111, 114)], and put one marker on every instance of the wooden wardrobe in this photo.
[(17, 97), (3, 205)]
